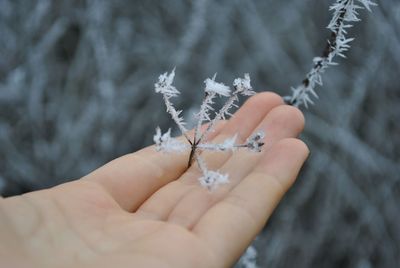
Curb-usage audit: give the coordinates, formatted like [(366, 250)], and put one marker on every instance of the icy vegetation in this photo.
[(76, 90), (165, 143), (345, 12)]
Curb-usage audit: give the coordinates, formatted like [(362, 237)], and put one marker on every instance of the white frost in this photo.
[(243, 86), (344, 13), (215, 87), (228, 144), (165, 143), (212, 179), (164, 85)]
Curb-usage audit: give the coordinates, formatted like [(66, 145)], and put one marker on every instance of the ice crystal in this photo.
[(217, 88), (211, 179), (165, 143)]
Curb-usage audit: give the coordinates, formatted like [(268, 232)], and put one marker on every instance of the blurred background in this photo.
[(76, 90)]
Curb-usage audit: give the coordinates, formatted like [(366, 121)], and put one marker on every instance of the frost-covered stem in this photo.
[(337, 44), (215, 147), (253, 143), (175, 116), (332, 41), (210, 179), (221, 114), (200, 162), (164, 86), (330, 45), (209, 96), (203, 116)]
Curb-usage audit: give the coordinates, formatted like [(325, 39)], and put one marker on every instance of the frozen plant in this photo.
[(165, 143), (344, 13)]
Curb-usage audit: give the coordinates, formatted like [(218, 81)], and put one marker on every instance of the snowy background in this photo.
[(76, 90)]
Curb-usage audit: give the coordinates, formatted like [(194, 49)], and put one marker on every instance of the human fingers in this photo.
[(230, 225)]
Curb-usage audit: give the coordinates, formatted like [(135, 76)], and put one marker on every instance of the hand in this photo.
[(147, 209)]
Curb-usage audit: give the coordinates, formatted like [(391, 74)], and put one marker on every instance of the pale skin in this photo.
[(146, 209)]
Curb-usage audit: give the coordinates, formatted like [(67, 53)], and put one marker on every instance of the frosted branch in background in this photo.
[(249, 258), (343, 11), (165, 143)]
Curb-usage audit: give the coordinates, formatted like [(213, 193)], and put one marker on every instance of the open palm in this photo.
[(147, 209)]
